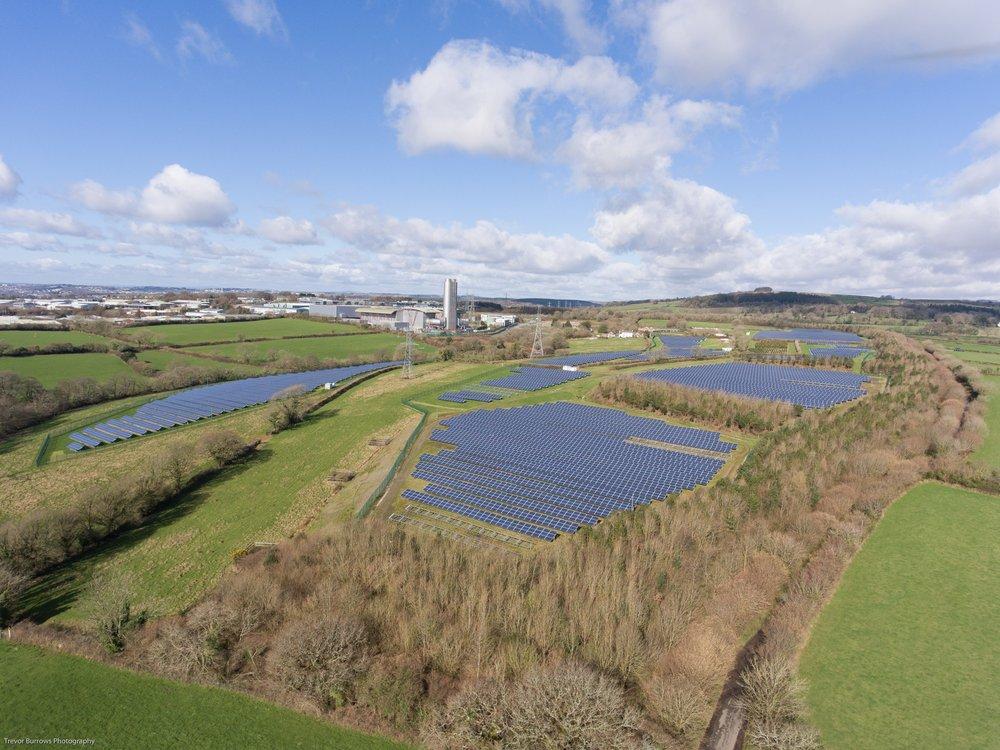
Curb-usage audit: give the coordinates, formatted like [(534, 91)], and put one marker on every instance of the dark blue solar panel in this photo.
[(588, 358), (686, 346), (810, 387), (562, 465), (811, 336), (219, 398), (838, 351), (460, 397), (76, 447), (534, 378)]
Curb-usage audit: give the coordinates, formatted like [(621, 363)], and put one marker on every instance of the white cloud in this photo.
[(574, 15), (195, 39), (782, 46), (10, 180), (138, 35), (260, 16), (46, 221), (977, 177), (986, 136), (287, 231), (476, 98), (482, 244), (173, 196), (627, 154)]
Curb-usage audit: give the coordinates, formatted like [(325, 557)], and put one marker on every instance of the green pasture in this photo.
[(50, 369), (326, 347), (53, 695), (905, 655), (16, 338), (187, 334)]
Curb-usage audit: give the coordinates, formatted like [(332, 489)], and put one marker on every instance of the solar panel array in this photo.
[(551, 468), (687, 346), (589, 358), (205, 401), (806, 386), (838, 351), (811, 336), (534, 378), (460, 397)]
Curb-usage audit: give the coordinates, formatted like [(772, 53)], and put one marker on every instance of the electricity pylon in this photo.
[(537, 350), (408, 358)]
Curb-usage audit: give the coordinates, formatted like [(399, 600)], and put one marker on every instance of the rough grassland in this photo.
[(48, 338), (49, 369), (185, 334), (47, 694), (905, 655), (182, 550), (325, 347)]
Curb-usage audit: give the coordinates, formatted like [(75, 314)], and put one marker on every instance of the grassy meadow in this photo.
[(48, 694), (580, 346), (50, 369), (183, 549), (16, 338), (324, 347), (165, 359), (905, 655), (187, 334)]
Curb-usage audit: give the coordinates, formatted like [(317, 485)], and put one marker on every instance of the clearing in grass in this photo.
[(51, 369), (186, 334), (905, 655), (48, 694)]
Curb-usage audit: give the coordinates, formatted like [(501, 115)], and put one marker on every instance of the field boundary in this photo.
[(380, 491)]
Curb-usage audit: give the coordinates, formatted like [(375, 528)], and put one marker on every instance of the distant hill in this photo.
[(762, 299)]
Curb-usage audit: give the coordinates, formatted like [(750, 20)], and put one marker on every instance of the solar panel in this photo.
[(587, 358), (810, 387), (211, 400), (838, 351), (810, 336), (560, 466), (535, 378)]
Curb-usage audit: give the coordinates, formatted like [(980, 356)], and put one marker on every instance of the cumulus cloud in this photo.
[(287, 231), (260, 16), (483, 244), (627, 154), (46, 221), (476, 98), (197, 41), (173, 196), (10, 180), (782, 46)]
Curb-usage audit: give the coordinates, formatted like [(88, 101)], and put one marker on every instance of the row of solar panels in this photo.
[(811, 336), (806, 386), (838, 351), (589, 358), (524, 378), (551, 468), (460, 397), (193, 404)]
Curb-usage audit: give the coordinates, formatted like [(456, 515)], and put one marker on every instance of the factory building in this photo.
[(451, 304), (401, 318)]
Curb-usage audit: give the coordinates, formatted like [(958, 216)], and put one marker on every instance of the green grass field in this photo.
[(16, 339), (186, 334), (989, 451), (165, 359), (49, 369), (47, 694), (325, 347), (905, 655), (182, 550), (577, 346)]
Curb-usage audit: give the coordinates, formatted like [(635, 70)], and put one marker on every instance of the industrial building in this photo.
[(451, 304), (402, 318)]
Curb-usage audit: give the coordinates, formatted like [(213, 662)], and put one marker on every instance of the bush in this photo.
[(111, 614), (223, 446), (772, 694), (320, 658)]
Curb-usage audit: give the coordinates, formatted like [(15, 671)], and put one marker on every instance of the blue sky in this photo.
[(545, 147)]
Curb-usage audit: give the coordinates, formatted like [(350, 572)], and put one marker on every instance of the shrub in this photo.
[(111, 613), (12, 585), (223, 446), (321, 657), (772, 694)]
